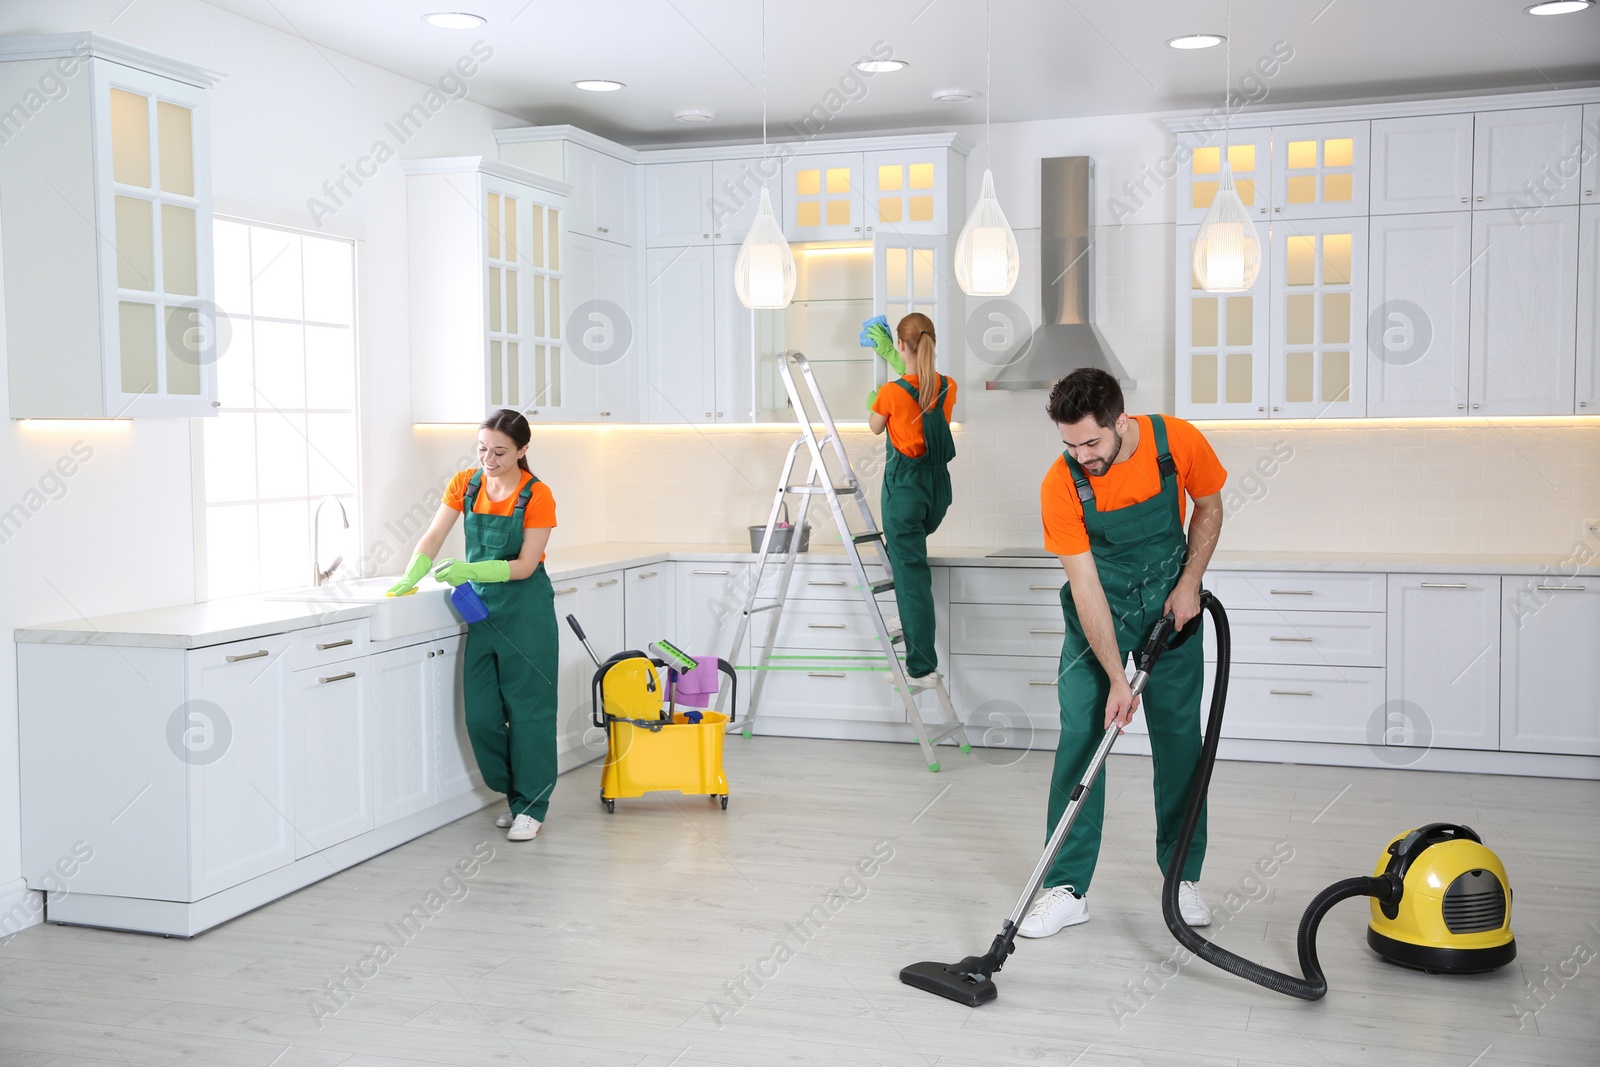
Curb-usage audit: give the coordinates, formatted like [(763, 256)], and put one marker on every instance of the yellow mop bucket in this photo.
[(651, 746)]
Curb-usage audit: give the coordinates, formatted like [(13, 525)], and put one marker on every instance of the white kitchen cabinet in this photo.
[(107, 220), (485, 260), (677, 203), (701, 338), (1320, 171), (602, 194), (709, 598), (1522, 338), (405, 714), (1549, 675), (1416, 329), (1444, 658), (1317, 366), (236, 727), (647, 606), (1222, 364), (330, 755), (1249, 155), (1588, 335), (1421, 163), (824, 197), (907, 191), (456, 772), (828, 690), (1589, 176), (602, 332), (1527, 158), (597, 602)]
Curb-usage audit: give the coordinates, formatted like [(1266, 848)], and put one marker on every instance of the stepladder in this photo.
[(832, 478)]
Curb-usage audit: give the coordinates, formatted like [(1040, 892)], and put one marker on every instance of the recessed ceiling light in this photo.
[(881, 66), (1197, 40), (454, 20), (694, 114), (1559, 7), (598, 85), (953, 96)]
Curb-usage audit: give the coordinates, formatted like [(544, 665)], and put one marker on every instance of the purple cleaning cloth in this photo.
[(695, 688)]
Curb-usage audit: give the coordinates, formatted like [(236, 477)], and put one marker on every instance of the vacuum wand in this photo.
[(971, 981)]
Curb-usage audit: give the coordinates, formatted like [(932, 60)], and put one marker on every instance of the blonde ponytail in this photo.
[(915, 331)]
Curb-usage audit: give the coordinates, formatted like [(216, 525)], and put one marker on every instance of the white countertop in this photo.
[(241, 618)]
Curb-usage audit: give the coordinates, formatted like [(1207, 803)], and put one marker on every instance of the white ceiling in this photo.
[(1051, 58)]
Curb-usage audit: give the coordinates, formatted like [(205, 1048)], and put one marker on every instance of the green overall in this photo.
[(916, 494), (1138, 552), (509, 680)]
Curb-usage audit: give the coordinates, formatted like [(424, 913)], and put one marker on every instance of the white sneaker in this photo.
[(1054, 909), (1192, 906), (505, 820), (925, 681), (526, 828)]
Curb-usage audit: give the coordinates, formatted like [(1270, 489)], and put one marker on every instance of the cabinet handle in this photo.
[(1562, 588), (1035, 681), (1292, 592), (1475, 407), (608, 581), (825, 625), (708, 572), (1444, 585), (605, 414), (564, 592), (718, 235), (1291, 692), (247, 655), (1303, 640), (1047, 631), (1461, 407), (708, 414), (1480, 199), (824, 674), (1463, 200), (824, 583), (336, 644), (432, 654), (1046, 588), (704, 235), (646, 574), (336, 678)]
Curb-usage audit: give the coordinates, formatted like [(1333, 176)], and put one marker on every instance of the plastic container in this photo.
[(781, 535), (468, 604), (681, 756)]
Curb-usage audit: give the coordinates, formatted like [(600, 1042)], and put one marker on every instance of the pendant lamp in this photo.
[(764, 274), (1227, 253), (986, 259)]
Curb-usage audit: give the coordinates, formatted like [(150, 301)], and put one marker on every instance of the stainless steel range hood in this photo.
[(1067, 338)]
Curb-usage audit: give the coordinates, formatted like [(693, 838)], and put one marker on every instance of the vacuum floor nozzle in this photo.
[(947, 981)]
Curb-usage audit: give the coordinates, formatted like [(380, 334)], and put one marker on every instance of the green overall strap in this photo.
[(470, 497), (941, 446), (1165, 464)]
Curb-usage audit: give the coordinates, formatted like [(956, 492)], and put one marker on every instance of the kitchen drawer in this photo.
[(828, 691), (1299, 703), (331, 643), (1299, 590), (1319, 638), (1006, 585), (1006, 630), (1005, 699), (814, 581), (826, 624)]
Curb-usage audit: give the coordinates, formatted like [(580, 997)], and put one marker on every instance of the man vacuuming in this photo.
[(1113, 509)]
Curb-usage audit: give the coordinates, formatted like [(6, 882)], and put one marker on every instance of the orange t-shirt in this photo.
[(540, 512), (905, 414), (1132, 481)]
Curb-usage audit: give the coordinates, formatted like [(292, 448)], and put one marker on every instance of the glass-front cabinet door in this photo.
[(1319, 319), (906, 192), (153, 199), (1221, 340), (522, 299), (1320, 171), (1249, 152), (823, 198)]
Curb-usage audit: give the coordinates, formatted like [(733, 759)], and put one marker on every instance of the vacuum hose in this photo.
[(1313, 986)]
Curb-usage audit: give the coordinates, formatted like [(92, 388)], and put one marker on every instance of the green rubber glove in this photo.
[(879, 335), (872, 398), (414, 572), (456, 571)]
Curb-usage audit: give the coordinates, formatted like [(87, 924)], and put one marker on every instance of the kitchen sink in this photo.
[(421, 612)]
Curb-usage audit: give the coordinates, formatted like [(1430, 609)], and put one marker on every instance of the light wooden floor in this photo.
[(610, 940)]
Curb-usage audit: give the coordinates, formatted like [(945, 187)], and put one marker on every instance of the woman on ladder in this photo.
[(915, 409), (511, 657)]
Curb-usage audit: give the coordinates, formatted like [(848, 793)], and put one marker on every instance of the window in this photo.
[(285, 436)]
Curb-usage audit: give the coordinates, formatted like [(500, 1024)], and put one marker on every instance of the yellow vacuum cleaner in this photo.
[(1453, 912)]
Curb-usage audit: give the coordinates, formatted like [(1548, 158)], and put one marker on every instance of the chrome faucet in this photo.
[(318, 575)]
